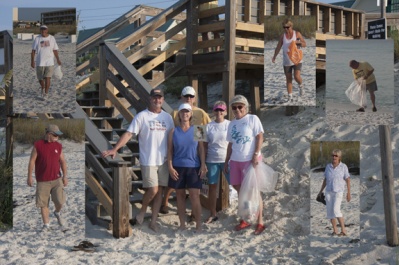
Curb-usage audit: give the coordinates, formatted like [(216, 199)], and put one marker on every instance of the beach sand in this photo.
[(275, 81), (27, 92)]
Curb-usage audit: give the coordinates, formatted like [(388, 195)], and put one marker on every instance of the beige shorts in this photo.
[(154, 176), (44, 189), (44, 71)]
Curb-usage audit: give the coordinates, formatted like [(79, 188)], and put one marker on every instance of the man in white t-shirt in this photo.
[(45, 48), (152, 127)]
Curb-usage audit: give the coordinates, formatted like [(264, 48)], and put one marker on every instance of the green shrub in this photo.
[(320, 152), (306, 25), (6, 206), (175, 85), (30, 130)]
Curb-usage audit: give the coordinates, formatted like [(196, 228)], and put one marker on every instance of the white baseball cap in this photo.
[(188, 90), (185, 106)]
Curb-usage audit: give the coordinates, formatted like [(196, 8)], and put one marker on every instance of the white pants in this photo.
[(333, 204)]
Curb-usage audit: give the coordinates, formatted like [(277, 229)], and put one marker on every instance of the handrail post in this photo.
[(103, 74), (121, 203)]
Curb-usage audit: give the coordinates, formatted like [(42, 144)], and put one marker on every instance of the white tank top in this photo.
[(286, 44)]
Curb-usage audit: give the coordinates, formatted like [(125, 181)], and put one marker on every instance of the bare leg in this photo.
[(147, 198), (181, 207), (334, 225), (165, 199), (260, 216), (155, 208), (45, 215), (288, 77), (342, 224), (196, 206), (297, 76), (372, 97), (47, 82)]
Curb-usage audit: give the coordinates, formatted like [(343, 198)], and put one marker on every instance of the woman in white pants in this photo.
[(336, 175)]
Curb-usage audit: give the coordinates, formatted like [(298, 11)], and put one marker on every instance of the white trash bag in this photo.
[(356, 92), (57, 72), (266, 177), (249, 198)]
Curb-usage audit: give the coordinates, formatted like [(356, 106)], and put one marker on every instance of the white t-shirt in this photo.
[(241, 133), (44, 47), (152, 130), (217, 143)]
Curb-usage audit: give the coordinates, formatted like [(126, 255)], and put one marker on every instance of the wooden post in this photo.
[(121, 205), (254, 96), (8, 65), (203, 95), (388, 186), (102, 90), (222, 201), (229, 54)]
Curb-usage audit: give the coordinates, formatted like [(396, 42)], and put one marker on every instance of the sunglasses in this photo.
[(55, 135), (287, 27), (334, 155), (218, 110), (237, 107), (188, 96)]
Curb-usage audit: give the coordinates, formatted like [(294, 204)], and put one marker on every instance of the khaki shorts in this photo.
[(44, 71), (154, 176), (44, 189)]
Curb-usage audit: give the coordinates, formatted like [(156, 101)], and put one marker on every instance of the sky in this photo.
[(92, 13)]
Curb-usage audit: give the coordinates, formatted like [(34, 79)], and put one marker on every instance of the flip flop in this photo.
[(85, 246), (259, 229), (342, 234), (211, 219), (242, 225)]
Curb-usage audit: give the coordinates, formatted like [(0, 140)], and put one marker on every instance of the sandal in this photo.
[(259, 229), (342, 234), (85, 246), (242, 225), (334, 234), (211, 219)]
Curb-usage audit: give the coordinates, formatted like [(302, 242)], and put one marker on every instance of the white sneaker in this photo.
[(301, 92), (46, 228), (42, 93), (60, 220)]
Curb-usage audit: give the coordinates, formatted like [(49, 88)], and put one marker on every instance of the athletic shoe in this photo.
[(42, 93), (45, 96), (374, 109), (301, 92), (360, 110), (60, 220), (46, 228)]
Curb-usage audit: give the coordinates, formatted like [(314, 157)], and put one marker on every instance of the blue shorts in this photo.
[(188, 178), (214, 170)]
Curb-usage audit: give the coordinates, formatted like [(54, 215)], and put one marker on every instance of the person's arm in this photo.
[(56, 57), (64, 169), (301, 39), (205, 144), (258, 146), (32, 58), (203, 168), (172, 172), (348, 186), (278, 48), (323, 186), (228, 155), (369, 72), (121, 142), (31, 166)]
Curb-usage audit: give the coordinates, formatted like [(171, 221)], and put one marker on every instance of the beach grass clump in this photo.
[(394, 34), (175, 85), (29, 131), (6, 209), (320, 153), (52, 29), (306, 25)]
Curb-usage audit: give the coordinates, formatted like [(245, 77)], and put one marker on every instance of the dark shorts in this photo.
[(188, 178), (372, 86), (288, 69)]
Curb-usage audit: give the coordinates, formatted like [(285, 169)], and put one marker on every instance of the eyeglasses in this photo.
[(237, 107), (218, 110), (334, 155), (287, 27), (188, 96)]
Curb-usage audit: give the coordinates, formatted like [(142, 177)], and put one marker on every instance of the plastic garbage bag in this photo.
[(57, 72), (249, 198), (356, 92), (266, 177)]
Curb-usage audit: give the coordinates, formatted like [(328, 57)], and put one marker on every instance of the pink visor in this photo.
[(219, 106)]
